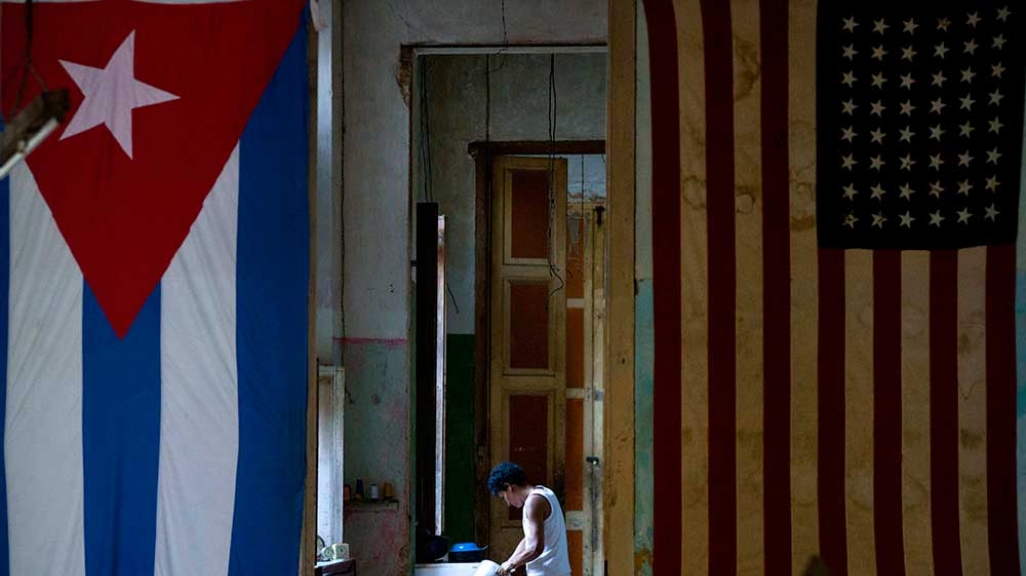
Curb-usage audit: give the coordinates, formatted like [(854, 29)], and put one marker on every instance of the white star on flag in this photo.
[(907, 162), (111, 94), (849, 134), (849, 107), (993, 156), (878, 80), (877, 136), (939, 79), (936, 161), (995, 125), (879, 53), (963, 216), (968, 74), (878, 220), (971, 46), (992, 184), (964, 187), (937, 105), (999, 41), (940, 50), (907, 108), (878, 108), (936, 219), (910, 26), (997, 70), (966, 129), (878, 192), (908, 53), (967, 102), (943, 23), (991, 212), (907, 80), (850, 52), (936, 189), (877, 162), (936, 132), (849, 79), (850, 221), (907, 191), (850, 24), (974, 19), (849, 162), (965, 159), (907, 134), (906, 219), (879, 26), (995, 97), (1003, 14), (850, 192)]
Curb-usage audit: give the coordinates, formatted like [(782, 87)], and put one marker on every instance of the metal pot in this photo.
[(431, 547)]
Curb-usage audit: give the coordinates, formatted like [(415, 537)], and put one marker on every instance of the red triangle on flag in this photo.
[(125, 196)]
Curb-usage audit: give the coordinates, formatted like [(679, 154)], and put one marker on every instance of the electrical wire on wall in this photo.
[(553, 118), (505, 41)]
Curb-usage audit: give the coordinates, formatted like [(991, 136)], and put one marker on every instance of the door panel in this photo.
[(527, 377)]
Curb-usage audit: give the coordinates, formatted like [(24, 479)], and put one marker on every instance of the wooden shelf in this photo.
[(370, 506)]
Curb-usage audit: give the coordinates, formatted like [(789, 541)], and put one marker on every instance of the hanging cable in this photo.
[(553, 119), (28, 68)]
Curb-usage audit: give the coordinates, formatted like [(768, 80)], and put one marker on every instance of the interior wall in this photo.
[(468, 98), (376, 280)]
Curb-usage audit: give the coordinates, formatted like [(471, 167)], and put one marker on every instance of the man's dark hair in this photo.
[(506, 473)]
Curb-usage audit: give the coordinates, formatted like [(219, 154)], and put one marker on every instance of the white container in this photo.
[(447, 569)]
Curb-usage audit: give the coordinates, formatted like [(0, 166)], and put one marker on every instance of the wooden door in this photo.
[(527, 377)]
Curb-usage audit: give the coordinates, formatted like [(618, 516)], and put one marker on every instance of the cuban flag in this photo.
[(154, 264)]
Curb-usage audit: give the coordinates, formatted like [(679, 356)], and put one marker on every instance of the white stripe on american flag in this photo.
[(972, 411)]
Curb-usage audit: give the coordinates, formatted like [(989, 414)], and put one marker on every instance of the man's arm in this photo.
[(533, 543)]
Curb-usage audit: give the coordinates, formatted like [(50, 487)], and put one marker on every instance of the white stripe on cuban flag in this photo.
[(199, 417), (43, 420), (179, 449)]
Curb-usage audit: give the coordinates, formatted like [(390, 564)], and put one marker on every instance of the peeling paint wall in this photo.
[(458, 113), (376, 216)]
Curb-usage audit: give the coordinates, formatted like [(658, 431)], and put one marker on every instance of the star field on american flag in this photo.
[(920, 123)]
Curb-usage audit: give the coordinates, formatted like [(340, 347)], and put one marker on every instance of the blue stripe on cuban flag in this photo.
[(180, 448), (274, 244)]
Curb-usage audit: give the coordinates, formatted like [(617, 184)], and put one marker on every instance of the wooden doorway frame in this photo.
[(483, 154)]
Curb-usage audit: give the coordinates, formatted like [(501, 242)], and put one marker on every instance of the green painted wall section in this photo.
[(459, 442)]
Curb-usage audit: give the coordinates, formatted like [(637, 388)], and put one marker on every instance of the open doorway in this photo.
[(509, 144)]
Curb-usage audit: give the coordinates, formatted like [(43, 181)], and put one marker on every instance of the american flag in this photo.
[(816, 391), (920, 124)]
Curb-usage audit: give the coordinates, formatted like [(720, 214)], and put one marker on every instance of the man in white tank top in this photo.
[(543, 549)]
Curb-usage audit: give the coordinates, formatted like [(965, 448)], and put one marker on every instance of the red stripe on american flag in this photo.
[(833, 532), (666, 287), (887, 444), (776, 233), (722, 258), (1001, 417), (945, 523)]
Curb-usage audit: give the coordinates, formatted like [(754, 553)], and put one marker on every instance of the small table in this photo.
[(336, 568)]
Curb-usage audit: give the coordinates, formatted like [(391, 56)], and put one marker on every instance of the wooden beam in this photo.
[(482, 342), (308, 535), (537, 147), (619, 404)]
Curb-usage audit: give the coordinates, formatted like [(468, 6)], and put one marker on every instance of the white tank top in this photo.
[(554, 559)]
